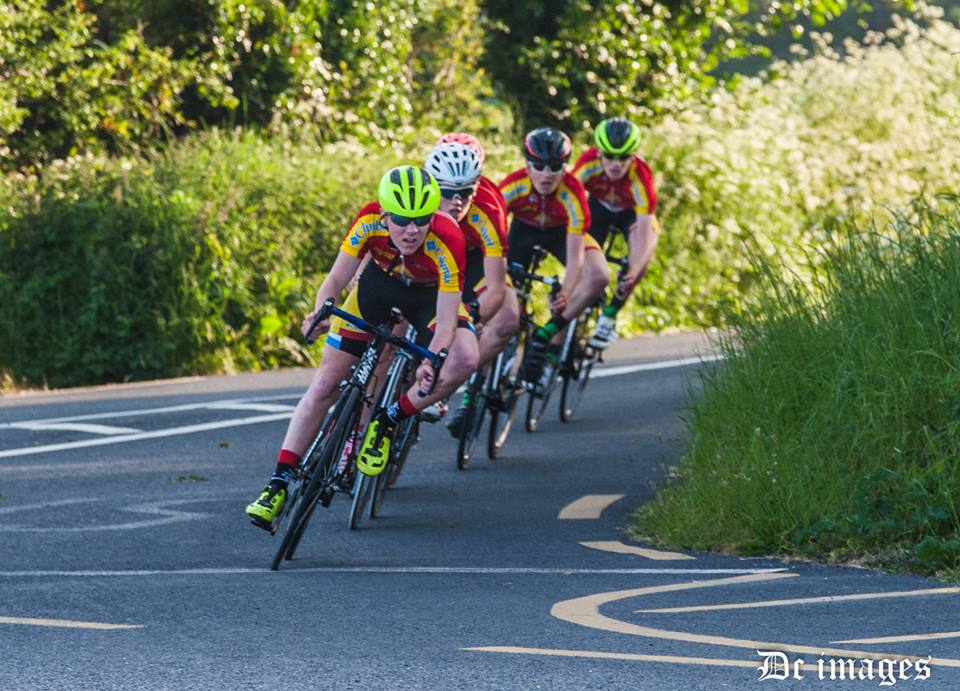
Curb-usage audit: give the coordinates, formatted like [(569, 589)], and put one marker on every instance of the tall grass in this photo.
[(832, 428)]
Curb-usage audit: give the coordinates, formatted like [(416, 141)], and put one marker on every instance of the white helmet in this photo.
[(453, 164)]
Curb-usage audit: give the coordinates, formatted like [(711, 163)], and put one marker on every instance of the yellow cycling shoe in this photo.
[(372, 461), (265, 509)]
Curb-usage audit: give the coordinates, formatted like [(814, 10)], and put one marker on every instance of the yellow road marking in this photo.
[(621, 548), (63, 623), (601, 655), (589, 506), (898, 639), (802, 601), (585, 611)]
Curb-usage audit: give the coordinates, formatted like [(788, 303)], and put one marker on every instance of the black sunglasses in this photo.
[(617, 157), (554, 166), (404, 221), (451, 192)]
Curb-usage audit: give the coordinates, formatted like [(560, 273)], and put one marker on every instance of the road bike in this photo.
[(576, 368), (329, 466), (495, 393)]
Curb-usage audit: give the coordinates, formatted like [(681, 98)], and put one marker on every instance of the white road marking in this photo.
[(646, 553), (900, 639), (156, 434), (804, 601), (601, 372), (151, 509), (155, 411), (638, 657), (63, 623), (281, 412), (73, 427), (379, 570), (588, 507), (262, 407)]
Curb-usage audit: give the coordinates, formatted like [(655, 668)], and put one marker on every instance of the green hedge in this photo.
[(200, 259)]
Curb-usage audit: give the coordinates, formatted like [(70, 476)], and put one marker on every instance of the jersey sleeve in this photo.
[(514, 187), (365, 225), (641, 187), (574, 200), (445, 246), (588, 167)]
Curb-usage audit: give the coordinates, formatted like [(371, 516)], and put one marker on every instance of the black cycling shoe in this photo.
[(537, 358)]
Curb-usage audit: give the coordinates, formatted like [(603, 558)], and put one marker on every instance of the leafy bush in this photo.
[(198, 259), (764, 167), (832, 426)]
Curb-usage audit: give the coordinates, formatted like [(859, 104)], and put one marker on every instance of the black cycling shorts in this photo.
[(375, 294), (603, 219)]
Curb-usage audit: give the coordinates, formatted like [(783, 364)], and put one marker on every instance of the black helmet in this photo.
[(547, 145)]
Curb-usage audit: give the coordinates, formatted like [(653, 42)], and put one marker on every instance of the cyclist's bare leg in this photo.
[(323, 392), (593, 280), (462, 360), (501, 327)]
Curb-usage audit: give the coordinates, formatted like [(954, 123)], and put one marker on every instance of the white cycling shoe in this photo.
[(605, 333)]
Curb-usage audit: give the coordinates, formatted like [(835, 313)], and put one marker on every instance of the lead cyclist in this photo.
[(416, 264)]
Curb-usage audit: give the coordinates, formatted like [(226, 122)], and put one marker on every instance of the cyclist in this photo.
[(482, 217), (549, 209), (416, 264), (484, 183), (621, 191)]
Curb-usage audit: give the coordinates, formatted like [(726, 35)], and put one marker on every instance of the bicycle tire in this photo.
[(409, 438), (577, 374), (509, 388), (400, 373), (308, 492), (362, 491), (471, 422)]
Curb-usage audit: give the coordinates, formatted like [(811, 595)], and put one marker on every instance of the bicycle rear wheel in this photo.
[(472, 421), (363, 488), (506, 389), (319, 469)]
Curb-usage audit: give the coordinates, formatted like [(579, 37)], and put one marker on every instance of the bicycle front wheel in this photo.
[(575, 376), (363, 488), (319, 468)]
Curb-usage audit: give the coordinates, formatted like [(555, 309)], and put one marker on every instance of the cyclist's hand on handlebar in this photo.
[(559, 303), (425, 375), (625, 285), (321, 328)]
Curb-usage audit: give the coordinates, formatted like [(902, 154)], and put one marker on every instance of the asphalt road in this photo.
[(127, 562)]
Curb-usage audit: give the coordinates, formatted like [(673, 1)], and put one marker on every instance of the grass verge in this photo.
[(832, 429)]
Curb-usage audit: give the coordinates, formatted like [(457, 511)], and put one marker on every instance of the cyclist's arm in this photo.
[(495, 273), (343, 269), (448, 311), (574, 263), (643, 237)]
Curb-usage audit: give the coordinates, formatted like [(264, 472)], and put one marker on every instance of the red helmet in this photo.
[(464, 138)]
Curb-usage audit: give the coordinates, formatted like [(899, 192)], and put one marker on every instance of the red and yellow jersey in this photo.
[(485, 225), (439, 261), (566, 207), (634, 190)]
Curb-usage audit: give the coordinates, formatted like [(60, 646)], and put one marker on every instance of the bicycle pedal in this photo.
[(263, 525), (326, 496)]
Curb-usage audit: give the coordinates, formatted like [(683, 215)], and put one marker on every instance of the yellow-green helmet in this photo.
[(617, 136), (409, 191)]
